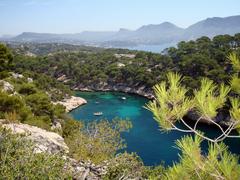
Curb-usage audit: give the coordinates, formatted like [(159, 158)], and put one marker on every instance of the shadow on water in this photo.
[(145, 138)]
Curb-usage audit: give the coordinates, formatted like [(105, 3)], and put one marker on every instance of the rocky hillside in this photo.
[(52, 143)]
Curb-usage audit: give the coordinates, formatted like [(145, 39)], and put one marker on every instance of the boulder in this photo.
[(7, 87), (71, 103), (45, 141), (17, 76), (30, 80)]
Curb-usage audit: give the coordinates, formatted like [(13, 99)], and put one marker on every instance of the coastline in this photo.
[(71, 103), (141, 91), (147, 93)]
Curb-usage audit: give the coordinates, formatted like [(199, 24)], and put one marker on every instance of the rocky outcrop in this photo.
[(223, 119), (86, 170), (6, 86), (139, 90), (45, 141), (53, 143), (17, 76), (71, 103)]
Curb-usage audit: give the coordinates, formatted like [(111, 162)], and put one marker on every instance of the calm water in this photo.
[(144, 138), (150, 48)]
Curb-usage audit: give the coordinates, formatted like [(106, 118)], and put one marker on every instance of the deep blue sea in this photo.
[(145, 138)]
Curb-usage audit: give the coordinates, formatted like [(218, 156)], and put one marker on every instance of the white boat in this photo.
[(123, 98), (98, 114)]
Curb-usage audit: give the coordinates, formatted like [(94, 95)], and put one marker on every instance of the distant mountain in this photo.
[(160, 34), (46, 38), (151, 34), (213, 26)]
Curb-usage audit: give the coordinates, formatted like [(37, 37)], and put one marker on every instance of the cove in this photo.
[(145, 138)]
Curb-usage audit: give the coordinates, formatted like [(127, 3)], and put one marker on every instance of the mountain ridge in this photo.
[(151, 34)]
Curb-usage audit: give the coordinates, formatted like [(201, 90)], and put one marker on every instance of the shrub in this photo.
[(27, 89), (19, 162), (95, 141)]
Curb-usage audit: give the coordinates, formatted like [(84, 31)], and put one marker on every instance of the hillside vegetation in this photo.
[(29, 85), (194, 59)]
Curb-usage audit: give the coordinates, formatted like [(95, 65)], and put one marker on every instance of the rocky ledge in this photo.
[(44, 141), (53, 143), (71, 103), (138, 90)]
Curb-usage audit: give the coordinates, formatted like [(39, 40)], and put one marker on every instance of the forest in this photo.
[(194, 60)]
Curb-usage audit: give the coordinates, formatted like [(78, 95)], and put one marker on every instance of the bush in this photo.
[(19, 162), (130, 166), (27, 89), (125, 166), (95, 141), (40, 104), (10, 103), (4, 74)]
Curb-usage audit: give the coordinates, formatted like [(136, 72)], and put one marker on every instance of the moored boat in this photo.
[(98, 114)]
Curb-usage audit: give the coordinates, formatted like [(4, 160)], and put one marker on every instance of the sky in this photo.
[(74, 16)]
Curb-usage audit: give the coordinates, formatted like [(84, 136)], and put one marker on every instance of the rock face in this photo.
[(71, 103), (7, 87), (50, 142), (87, 170), (17, 76), (139, 90), (45, 141)]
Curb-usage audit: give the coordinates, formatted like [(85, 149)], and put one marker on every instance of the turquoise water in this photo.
[(145, 138)]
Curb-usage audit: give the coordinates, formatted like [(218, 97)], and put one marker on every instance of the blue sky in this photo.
[(73, 16)]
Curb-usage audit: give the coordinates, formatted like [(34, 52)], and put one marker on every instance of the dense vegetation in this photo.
[(29, 101), (27, 98), (19, 162), (170, 106), (194, 59)]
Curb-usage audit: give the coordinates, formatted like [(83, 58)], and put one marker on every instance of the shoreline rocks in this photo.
[(140, 90), (146, 92), (71, 103)]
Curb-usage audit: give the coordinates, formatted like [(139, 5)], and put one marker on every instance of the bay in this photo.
[(145, 138)]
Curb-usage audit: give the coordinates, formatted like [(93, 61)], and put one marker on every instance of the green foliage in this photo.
[(97, 141), (130, 166), (32, 106), (235, 111), (6, 58), (171, 102), (40, 104), (4, 74), (13, 104), (10, 103), (125, 166), (19, 162), (27, 89), (234, 61), (208, 100), (235, 80), (235, 84), (219, 163)]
